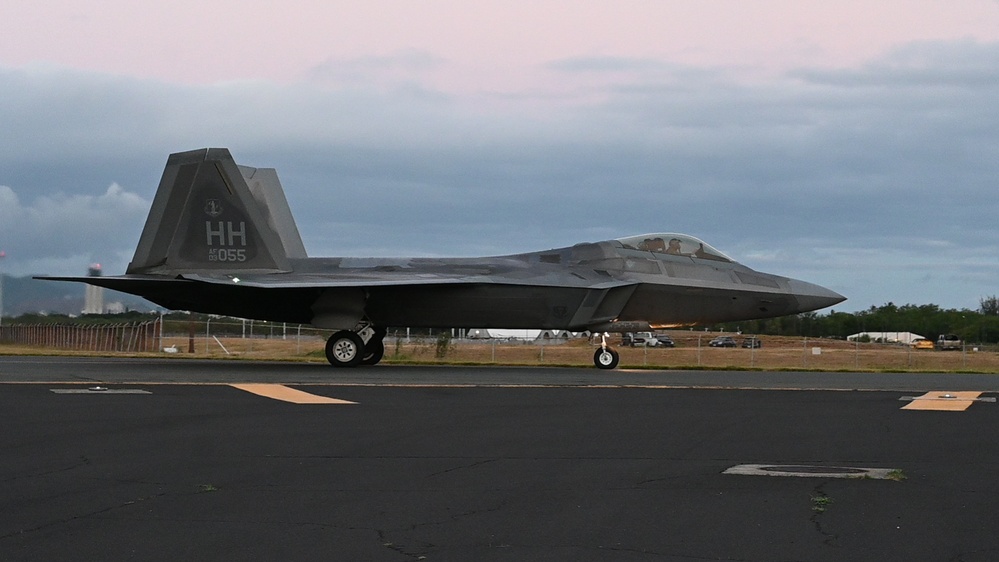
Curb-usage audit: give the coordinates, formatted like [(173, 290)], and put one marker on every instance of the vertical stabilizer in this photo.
[(206, 217), (267, 191)]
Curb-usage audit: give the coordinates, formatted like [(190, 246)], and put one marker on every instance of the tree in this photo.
[(989, 306)]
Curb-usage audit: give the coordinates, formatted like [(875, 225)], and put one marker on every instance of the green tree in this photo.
[(989, 306)]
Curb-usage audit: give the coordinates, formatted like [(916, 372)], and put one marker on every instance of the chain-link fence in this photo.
[(131, 337), (219, 338)]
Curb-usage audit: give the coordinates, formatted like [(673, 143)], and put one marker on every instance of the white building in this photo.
[(93, 298), (887, 337)]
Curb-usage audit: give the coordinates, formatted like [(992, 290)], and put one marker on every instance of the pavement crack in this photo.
[(421, 549), (65, 520), (83, 461), (410, 552), (821, 501), (462, 467), (685, 556)]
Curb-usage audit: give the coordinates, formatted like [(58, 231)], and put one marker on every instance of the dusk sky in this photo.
[(851, 144)]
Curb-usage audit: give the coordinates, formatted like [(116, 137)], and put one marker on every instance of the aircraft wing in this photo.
[(398, 299)]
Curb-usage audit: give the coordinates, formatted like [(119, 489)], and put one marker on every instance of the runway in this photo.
[(181, 459)]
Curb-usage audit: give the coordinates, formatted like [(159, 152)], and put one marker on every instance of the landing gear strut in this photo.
[(361, 346), (375, 348), (605, 357)]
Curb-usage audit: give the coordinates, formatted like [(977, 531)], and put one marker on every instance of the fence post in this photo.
[(698, 350)]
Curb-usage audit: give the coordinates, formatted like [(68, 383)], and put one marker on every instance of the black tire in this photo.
[(373, 352), (345, 349), (605, 358)]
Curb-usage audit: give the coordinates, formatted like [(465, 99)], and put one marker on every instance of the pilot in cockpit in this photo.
[(674, 247), (652, 245)]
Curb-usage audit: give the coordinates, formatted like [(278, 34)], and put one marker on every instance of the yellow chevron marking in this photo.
[(281, 392), (943, 400)]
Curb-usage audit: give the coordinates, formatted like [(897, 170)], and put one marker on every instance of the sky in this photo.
[(852, 144)]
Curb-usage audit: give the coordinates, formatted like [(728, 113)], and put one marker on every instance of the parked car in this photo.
[(921, 343), (723, 341), (949, 341), (751, 342), (665, 341)]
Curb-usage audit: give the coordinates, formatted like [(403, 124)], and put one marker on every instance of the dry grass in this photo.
[(777, 353)]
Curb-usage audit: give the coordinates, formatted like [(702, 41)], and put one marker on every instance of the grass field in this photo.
[(692, 352)]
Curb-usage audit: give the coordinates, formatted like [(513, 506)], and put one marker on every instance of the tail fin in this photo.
[(210, 214)]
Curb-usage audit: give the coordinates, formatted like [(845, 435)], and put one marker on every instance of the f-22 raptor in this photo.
[(220, 239)]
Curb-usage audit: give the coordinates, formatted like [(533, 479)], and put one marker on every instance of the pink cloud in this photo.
[(490, 45)]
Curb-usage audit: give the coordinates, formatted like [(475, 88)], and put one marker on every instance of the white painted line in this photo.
[(99, 391)]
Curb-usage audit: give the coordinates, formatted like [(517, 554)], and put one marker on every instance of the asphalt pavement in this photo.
[(165, 460)]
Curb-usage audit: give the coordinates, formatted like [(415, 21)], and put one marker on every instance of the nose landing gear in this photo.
[(605, 357)]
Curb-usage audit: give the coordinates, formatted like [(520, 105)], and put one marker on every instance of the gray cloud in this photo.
[(64, 233), (876, 181)]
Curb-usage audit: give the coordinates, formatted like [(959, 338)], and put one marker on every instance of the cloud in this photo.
[(877, 180), (935, 64), (63, 233), (404, 67)]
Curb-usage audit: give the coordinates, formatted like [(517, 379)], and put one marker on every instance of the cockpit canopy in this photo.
[(671, 243)]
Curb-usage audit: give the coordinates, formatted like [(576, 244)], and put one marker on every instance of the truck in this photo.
[(949, 341), (647, 339)]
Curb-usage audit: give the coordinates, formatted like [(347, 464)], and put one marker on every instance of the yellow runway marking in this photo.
[(942, 400), (281, 392)]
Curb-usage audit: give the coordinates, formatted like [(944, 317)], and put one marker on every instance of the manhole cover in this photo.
[(812, 471)]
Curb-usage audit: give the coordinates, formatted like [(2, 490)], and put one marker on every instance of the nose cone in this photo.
[(813, 297)]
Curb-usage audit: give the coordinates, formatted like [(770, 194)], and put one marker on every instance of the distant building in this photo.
[(480, 333), (886, 337), (93, 299)]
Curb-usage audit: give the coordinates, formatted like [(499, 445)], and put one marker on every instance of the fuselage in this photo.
[(606, 286)]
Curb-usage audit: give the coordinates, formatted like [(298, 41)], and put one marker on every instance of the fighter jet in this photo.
[(220, 239)]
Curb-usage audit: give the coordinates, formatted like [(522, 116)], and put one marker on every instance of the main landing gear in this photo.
[(350, 348), (365, 346), (605, 357)]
